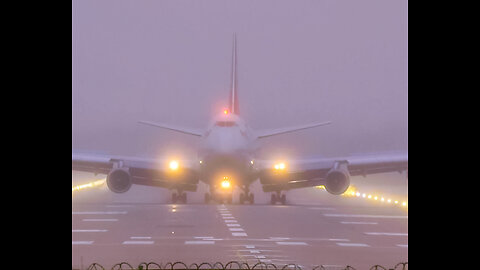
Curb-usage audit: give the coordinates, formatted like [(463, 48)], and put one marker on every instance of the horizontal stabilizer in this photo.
[(189, 131), (273, 132)]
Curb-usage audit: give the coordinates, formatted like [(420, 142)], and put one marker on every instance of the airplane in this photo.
[(227, 160)]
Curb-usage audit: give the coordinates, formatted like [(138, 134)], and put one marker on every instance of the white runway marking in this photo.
[(233, 225), (202, 237), (292, 243), (76, 231), (140, 237), (364, 216), (239, 234), (338, 240), (279, 238), (228, 217), (101, 213), (352, 245), (99, 219), (199, 242), (225, 214), (82, 242), (138, 243), (249, 246), (359, 222), (386, 233), (403, 246), (230, 221), (236, 229)]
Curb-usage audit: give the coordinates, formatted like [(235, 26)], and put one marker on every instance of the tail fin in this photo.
[(233, 90)]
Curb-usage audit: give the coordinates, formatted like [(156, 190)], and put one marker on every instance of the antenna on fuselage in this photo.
[(233, 90)]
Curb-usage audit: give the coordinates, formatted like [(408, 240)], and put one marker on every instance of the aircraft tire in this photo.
[(242, 198), (283, 199), (273, 199), (207, 198), (174, 197)]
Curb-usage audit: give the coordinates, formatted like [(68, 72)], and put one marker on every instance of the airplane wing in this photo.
[(333, 173), (131, 170)]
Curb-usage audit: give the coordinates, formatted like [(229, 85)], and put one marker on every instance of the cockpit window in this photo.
[(225, 124)]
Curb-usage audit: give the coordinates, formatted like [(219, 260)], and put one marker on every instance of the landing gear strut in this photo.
[(281, 198), (179, 196), (246, 196)]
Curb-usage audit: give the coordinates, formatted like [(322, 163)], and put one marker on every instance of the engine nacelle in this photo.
[(119, 180), (337, 180)]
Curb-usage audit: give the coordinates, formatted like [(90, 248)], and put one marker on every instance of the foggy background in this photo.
[(298, 62)]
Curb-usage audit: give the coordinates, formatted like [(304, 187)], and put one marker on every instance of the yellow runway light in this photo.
[(354, 193)]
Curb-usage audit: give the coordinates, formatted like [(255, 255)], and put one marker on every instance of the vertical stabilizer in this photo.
[(233, 90)]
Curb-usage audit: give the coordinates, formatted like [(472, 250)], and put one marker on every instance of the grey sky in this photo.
[(298, 62)]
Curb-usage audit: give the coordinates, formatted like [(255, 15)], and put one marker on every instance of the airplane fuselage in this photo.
[(227, 150)]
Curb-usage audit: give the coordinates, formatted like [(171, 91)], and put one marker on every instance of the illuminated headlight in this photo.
[(279, 166), (173, 165), (225, 184)]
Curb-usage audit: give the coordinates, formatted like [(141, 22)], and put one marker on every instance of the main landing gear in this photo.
[(179, 196), (281, 198), (246, 196)]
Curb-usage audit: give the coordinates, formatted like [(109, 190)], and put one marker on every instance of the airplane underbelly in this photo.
[(215, 168)]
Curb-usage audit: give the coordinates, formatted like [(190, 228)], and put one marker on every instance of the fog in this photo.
[(298, 62)]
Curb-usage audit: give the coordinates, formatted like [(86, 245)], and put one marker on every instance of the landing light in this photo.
[(279, 166), (225, 111), (173, 165), (225, 183)]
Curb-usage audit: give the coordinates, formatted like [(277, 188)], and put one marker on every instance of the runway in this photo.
[(331, 231)]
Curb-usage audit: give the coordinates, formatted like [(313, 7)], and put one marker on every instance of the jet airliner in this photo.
[(227, 160)]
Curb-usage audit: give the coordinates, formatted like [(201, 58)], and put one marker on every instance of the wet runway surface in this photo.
[(332, 231)]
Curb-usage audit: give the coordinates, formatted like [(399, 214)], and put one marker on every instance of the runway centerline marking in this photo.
[(236, 229), (239, 234), (403, 246), (199, 242), (233, 225), (352, 245), (292, 243), (137, 243), (140, 237)]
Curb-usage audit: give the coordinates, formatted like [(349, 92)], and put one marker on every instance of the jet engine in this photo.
[(337, 180), (119, 180)]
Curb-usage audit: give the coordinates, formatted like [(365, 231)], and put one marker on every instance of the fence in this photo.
[(231, 266)]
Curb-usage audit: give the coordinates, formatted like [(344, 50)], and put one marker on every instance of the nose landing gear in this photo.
[(179, 196), (246, 196), (281, 198)]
